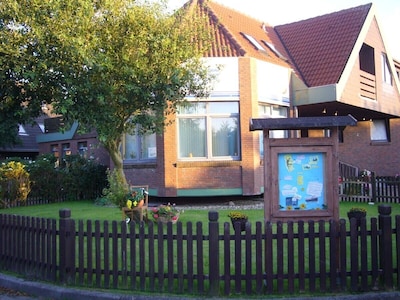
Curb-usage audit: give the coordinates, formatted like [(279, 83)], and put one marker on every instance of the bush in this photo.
[(116, 191), (15, 183)]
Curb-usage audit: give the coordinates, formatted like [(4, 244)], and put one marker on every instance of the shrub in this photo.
[(15, 183), (116, 191)]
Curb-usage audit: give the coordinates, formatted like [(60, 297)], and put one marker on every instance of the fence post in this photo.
[(67, 246), (213, 252), (385, 245), (373, 187)]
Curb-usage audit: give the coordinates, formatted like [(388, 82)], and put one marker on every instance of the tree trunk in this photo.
[(112, 148)]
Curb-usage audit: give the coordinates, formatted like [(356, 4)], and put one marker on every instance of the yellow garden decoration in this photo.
[(129, 204)]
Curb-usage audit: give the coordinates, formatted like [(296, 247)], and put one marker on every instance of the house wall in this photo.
[(169, 177), (357, 148), (387, 96), (95, 151), (381, 158)]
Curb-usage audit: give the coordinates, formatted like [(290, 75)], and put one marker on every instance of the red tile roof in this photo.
[(317, 49), (227, 27), (320, 47)]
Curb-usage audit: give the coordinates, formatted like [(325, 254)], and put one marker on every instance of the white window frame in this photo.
[(208, 124), (386, 72), (379, 130), (279, 134), (139, 142)]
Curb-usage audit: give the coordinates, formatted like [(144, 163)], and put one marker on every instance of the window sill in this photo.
[(221, 163), (379, 143), (139, 165)]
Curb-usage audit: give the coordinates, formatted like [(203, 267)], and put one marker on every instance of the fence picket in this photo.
[(190, 257), (290, 257), (227, 259), (115, 254), (364, 255), (322, 256), (301, 256)]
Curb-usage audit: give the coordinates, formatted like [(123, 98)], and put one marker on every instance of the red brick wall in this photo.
[(382, 158)]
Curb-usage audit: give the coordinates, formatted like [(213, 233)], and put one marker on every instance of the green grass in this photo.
[(87, 210)]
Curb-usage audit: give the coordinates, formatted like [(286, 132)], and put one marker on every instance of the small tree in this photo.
[(110, 65)]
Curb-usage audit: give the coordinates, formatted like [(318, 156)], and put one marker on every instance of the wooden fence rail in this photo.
[(269, 258)]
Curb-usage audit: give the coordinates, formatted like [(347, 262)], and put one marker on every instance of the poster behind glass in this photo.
[(301, 181)]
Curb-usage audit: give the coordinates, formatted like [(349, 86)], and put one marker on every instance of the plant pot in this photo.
[(358, 215), (140, 204), (242, 223), (166, 219)]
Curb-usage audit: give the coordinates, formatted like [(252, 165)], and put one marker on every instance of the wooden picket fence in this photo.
[(377, 189), (266, 258)]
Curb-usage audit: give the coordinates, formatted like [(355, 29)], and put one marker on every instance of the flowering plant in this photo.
[(166, 213), (237, 215), (358, 209), (134, 199)]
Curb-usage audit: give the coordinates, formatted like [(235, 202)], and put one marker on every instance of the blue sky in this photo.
[(286, 11)]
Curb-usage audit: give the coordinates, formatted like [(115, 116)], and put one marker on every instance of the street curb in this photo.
[(48, 291)]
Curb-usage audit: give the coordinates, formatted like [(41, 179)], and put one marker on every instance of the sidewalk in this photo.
[(38, 290)]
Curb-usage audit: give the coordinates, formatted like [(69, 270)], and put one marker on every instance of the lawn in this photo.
[(87, 210)]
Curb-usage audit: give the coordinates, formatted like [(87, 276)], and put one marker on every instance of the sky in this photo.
[(280, 12)]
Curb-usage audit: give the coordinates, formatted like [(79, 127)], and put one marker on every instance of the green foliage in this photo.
[(117, 190), (110, 65), (46, 178), (77, 178), (83, 178), (15, 184)]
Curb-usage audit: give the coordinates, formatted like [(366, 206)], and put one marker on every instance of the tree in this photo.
[(110, 65)]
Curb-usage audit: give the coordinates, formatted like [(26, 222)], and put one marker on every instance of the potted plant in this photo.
[(357, 213), (135, 199), (238, 217), (166, 213)]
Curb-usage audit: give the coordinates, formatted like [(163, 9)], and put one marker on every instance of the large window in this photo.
[(138, 147), (209, 130)]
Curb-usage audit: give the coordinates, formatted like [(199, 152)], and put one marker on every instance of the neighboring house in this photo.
[(70, 142), (335, 64), (28, 148)]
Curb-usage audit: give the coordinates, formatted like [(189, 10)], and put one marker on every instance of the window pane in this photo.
[(192, 108), (192, 137), (224, 137), (149, 148), (223, 108), (130, 147), (378, 130)]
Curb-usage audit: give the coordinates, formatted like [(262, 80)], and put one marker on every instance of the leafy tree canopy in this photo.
[(110, 65)]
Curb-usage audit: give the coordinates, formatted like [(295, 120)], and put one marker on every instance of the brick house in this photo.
[(335, 64)]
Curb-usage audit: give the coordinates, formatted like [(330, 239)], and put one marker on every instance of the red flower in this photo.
[(174, 218), (155, 216)]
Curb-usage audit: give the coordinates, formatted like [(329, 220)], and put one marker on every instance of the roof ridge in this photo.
[(345, 10)]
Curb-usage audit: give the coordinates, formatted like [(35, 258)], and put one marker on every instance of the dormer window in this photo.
[(21, 130), (254, 42), (273, 49)]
